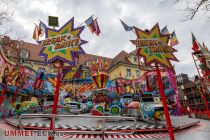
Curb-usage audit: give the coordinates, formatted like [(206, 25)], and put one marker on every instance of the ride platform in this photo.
[(73, 124)]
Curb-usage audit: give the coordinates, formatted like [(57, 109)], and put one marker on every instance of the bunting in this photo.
[(93, 25), (37, 33), (90, 24), (43, 27), (97, 29), (165, 31), (173, 40)]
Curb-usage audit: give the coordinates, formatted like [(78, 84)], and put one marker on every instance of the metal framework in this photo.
[(203, 83), (103, 118)]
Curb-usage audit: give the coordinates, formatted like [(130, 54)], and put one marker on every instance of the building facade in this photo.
[(191, 97), (182, 78)]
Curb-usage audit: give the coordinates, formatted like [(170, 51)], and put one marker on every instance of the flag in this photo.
[(90, 24), (173, 40), (165, 31), (97, 29), (89, 21), (126, 27), (37, 33), (194, 43), (42, 26)]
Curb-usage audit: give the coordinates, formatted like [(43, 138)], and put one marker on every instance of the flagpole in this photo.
[(133, 31), (36, 25)]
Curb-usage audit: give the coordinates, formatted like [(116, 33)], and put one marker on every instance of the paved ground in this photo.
[(198, 132)]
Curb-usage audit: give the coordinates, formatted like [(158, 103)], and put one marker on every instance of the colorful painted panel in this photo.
[(154, 48), (63, 44)]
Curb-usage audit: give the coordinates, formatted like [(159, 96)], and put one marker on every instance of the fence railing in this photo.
[(103, 119)]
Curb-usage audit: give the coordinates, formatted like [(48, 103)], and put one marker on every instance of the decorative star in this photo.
[(65, 55), (160, 58)]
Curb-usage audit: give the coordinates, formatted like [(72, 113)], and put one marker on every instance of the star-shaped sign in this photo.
[(62, 45), (153, 47)]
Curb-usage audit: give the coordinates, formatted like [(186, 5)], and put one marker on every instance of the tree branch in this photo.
[(5, 13), (195, 10), (193, 7)]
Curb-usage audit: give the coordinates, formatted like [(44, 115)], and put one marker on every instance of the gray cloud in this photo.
[(143, 14)]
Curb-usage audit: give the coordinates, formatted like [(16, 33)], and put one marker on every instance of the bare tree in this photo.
[(193, 7), (5, 12)]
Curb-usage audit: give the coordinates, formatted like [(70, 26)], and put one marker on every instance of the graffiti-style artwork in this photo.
[(80, 87), (5, 68), (99, 73), (76, 73)]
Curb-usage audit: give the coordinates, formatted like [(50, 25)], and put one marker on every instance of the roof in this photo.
[(133, 52), (121, 57), (10, 45), (34, 49), (90, 57)]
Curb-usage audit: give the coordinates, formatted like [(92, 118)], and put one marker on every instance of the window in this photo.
[(128, 71), (137, 73), (24, 53)]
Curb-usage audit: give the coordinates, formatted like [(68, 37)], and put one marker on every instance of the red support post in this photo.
[(196, 65), (165, 106), (56, 95), (2, 94)]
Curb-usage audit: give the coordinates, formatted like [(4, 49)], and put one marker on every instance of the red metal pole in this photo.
[(15, 96), (196, 65), (56, 95), (165, 107), (2, 93)]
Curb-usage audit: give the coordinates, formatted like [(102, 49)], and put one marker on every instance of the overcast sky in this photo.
[(143, 14)]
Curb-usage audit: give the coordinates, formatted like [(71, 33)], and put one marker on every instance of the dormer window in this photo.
[(24, 54)]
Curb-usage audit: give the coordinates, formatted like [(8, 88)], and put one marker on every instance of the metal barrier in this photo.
[(103, 118)]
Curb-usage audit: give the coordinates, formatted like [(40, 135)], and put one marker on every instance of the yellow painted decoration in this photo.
[(63, 44), (154, 48)]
